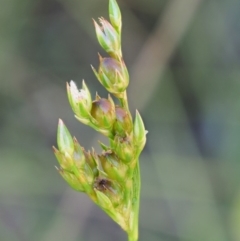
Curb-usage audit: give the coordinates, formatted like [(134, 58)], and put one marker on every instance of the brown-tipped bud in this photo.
[(112, 74), (123, 125), (124, 149), (112, 166), (103, 111), (111, 189)]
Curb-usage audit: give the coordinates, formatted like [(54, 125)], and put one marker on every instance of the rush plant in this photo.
[(111, 179)]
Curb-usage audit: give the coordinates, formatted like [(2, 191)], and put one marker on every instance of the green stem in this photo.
[(133, 232), (124, 101)]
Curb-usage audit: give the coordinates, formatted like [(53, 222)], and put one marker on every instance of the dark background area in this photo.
[(184, 60)]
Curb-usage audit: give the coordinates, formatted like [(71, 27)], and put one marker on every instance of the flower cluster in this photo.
[(111, 179)]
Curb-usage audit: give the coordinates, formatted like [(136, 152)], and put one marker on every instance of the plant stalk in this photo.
[(133, 232)]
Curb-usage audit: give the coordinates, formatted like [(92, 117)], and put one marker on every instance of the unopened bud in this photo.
[(113, 166), (115, 15), (64, 139), (109, 188), (103, 201), (71, 179), (90, 159), (64, 160), (124, 149), (82, 168), (112, 74), (80, 100), (139, 133), (108, 38)]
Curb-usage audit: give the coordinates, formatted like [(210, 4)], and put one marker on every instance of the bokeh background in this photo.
[(184, 61)]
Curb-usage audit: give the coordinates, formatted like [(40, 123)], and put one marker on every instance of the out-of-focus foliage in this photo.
[(191, 164)]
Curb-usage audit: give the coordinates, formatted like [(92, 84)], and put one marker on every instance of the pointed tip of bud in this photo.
[(71, 83), (94, 22), (110, 99), (75, 140), (67, 85), (60, 122), (84, 87), (139, 129), (64, 138), (100, 57), (115, 15), (97, 97), (96, 73), (55, 150)]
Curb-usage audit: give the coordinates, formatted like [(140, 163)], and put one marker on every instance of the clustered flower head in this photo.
[(111, 179)]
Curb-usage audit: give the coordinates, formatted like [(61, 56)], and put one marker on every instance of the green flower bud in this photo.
[(115, 15), (64, 139), (103, 111), (123, 148), (82, 169), (80, 101), (109, 188), (76, 164), (88, 174), (123, 124), (71, 179), (104, 202), (78, 155), (108, 38), (90, 159), (139, 133), (112, 74), (113, 167), (64, 159)]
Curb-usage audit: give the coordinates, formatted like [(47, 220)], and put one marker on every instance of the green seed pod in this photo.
[(103, 111), (123, 125), (110, 188), (113, 166), (112, 74)]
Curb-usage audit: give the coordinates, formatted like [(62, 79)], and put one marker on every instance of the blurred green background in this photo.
[(184, 61)]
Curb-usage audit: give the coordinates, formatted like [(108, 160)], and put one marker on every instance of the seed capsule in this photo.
[(103, 111)]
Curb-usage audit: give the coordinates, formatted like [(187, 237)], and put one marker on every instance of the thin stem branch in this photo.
[(124, 101)]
